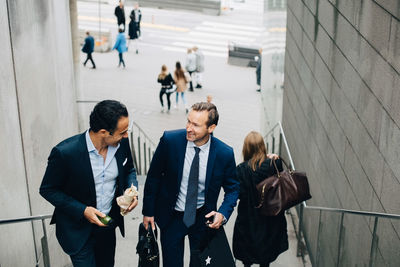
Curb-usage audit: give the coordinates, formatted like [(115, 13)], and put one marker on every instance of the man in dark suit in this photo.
[(88, 48), (84, 175), (182, 187)]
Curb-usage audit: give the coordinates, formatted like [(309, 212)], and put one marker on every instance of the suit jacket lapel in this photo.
[(87, 167), (120, 160), (181, 158), (210, 163)]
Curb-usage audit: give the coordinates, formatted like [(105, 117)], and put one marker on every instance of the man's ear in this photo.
[(103, 132), (211, 128)]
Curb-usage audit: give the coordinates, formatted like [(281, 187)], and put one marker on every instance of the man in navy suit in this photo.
[(168, 185), (84, 175)]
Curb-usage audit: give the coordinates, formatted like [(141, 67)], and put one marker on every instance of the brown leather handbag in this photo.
[(282, 191)]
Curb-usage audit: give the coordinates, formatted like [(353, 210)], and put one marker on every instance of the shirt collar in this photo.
[(89, 143), (203, 147)]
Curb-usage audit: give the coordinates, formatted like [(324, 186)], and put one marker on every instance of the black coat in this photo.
[(256, 238), (133, 30), (120, 14)]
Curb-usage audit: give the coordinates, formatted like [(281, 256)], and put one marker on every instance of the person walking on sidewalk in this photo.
[(167, 82), (88, 48), (84, 175), (120, 46), (190, 65), (134, 26), (258, 69), (257, 239), (119, 12), (199, 66), (186, 175), (181, 81)]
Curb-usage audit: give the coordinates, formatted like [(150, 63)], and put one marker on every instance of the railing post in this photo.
[(144, 157), (45, 247), (374, 244), (280, 145), (140, 155), (299, 249), (133, 153), (149, 157), (319, 232), (340, 240), (273, 144)]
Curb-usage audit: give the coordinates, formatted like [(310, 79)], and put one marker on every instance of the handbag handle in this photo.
[(276, 167)]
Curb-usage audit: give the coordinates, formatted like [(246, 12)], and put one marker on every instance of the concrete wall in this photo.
[(341, 115), (37, 110)]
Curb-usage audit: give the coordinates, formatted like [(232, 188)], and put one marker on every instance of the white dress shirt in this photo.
[(203, 159), (105, 173)]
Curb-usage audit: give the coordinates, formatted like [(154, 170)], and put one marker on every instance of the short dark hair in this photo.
[(106, 114), (212, 112)]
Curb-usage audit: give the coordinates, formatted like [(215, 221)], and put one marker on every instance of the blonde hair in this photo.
[(254, 150), (164, 72)]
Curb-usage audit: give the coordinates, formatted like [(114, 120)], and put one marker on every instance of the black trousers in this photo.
[(121, 60), (162, 92), (89, 57), (173, 236), (191, 79), (99, 250)]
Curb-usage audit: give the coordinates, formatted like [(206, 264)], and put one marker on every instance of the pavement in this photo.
[(233, 90)]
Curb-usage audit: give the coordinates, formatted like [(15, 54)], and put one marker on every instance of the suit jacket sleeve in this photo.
[(231, 187), (154, 175), (52, 183)]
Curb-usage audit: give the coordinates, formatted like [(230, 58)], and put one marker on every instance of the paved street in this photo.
[(166, 35)]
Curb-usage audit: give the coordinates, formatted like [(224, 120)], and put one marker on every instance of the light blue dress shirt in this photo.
[(203, 159), (105, 173)]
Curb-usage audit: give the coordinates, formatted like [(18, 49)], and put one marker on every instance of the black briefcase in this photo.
[(147, 247), (215, 250)]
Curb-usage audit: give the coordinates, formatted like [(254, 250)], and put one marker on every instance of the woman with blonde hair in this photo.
[(257, 239), (167, 82)]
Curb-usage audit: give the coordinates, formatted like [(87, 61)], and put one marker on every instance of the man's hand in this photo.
[(273, 156), (132, 205), (218, 219), (147, 220), (91, 213)]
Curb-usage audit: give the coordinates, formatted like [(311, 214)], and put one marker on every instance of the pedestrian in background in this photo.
[(136, 15), (258, 69), (181, 81), (190, 65), (88, 48), (257, 239), (199, 66), (120, 46), (167, 82), (133, 33), (119, 12)]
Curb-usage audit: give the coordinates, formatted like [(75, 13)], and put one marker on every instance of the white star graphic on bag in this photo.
[(208, 260)]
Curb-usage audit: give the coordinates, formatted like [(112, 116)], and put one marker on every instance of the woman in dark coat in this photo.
[(133, 32), (257, 239)]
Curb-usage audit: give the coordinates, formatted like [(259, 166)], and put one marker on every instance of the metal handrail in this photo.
[(356, 212), (44, 240), (303, 205), (145, 149), (25, 219)]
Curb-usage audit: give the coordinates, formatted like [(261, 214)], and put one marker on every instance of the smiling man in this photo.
[(84, 175), (182, 187)]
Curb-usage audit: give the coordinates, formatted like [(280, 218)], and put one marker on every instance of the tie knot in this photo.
[(197, 149)]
